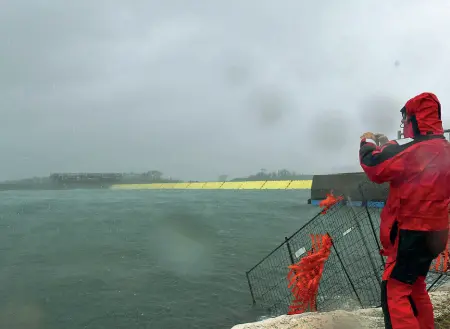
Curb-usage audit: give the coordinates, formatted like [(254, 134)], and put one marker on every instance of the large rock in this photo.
[(358, 319)]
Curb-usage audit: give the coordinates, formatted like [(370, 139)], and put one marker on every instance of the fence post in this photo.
[(346, 273), (375, 235), (371, 223), (374, 267), (251, 288), (291, 256), (434, 283)]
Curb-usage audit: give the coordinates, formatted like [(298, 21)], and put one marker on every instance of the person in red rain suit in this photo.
[(415, 220)]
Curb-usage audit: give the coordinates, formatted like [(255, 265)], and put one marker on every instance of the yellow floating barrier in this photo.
[(212, 185), (165, 186), (276, 185), (247, 185), (300, 185), (195, 186), (231, 185), (180, 186), (252, 185)]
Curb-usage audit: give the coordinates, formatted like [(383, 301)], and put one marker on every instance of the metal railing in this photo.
[(352, 274), (446, 134)]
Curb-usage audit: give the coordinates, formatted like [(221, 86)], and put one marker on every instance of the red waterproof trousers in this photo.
[(405, 300)]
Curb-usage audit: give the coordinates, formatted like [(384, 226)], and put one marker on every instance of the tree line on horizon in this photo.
[(152, 176), (157, 176), (264, 174)]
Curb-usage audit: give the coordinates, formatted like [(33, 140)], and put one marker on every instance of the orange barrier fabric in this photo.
[(329, 202), (442, 261), (304, 277)]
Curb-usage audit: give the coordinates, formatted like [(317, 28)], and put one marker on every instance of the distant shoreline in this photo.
[(69, 181), (241, 185)]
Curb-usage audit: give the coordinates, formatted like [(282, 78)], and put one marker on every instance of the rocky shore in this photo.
[(358, 319)]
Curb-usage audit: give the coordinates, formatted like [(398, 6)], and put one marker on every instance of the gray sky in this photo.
[(201, 88)]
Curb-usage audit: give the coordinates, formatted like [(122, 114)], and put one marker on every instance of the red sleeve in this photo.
[(386, 163), (448, 184)]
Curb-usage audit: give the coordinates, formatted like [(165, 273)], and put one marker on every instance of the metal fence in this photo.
[(352, 274), (434, 278), (446, 134)]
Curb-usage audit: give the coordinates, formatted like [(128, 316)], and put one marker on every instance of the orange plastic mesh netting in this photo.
[(442, 261), (329, 202), (304, 277)]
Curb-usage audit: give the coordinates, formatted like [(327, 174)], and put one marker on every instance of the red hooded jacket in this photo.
[(418, 172)]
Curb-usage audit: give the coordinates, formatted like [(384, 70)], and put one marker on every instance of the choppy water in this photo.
[(137, 259)]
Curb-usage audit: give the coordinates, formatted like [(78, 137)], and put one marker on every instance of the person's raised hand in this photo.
[(381, 139), (368, 135)]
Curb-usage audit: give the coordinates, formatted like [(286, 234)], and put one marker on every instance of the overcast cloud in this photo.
[(202, 88)]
